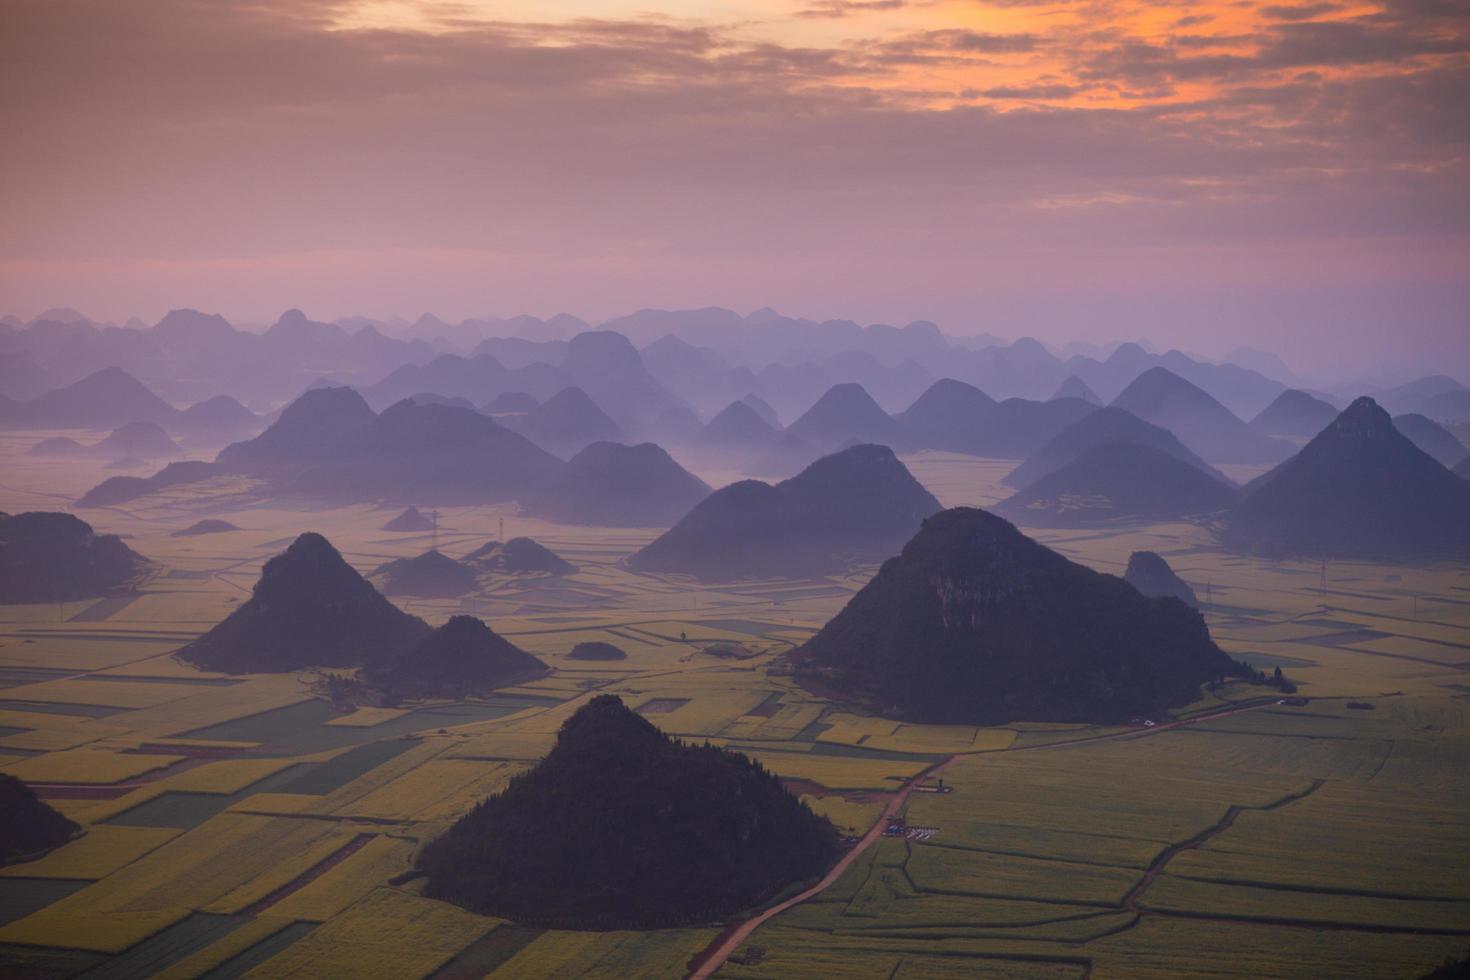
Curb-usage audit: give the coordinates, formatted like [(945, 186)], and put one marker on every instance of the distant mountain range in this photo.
[(702, 358)]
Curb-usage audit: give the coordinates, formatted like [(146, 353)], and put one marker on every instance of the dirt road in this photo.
[(735, 936)]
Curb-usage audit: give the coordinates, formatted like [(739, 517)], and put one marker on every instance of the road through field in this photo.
[(730, 940)]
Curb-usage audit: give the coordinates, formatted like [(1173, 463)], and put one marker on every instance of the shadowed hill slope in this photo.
[(1106, 425), (431, 575), (1150, 574), (614, 485), (568, 422), (145, 440), (322, 424), (596, 650), (51, 557), (102, 400), (206, 526), (847, 413), (433, 454), (464, 658), (948, 416), (738, 430), (409, 520), (1294, 414), (1118, 481), (121, 489), (309, 608), (1201, 423), (858, 501), (622, 827), (519, 556), (1075, 387), (29, 827), (1433, 438), (975, 623), (1360, 488)]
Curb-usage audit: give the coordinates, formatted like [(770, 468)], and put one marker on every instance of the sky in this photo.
[(1206, 174)]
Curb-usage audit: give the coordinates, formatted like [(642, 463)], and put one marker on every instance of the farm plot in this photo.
[(386, 933)]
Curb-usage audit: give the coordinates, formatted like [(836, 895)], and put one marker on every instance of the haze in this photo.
[(1203, 174)]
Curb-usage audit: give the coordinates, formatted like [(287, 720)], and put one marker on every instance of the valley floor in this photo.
[(239, 826)]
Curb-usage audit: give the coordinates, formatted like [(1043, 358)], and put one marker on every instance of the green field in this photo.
[(238, 826)]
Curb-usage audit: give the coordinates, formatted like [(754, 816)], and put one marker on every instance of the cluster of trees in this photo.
[(623, 827)]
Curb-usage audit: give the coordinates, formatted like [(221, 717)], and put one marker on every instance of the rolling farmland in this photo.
[(241, 826)]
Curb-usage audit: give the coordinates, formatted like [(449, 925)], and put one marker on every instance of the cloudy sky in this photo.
[(1291, 175)]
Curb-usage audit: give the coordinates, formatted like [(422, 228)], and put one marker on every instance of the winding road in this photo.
[(728, 941)]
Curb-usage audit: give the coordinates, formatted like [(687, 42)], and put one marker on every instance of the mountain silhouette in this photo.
[(975, 623), (738, 432), (614, 485), (122, 489), (1106, 425), (411, 519), (1075, 387), (207, 526), (568, 422), (1118, 481), (1018, 427), (609, 369), (1151, 575), (217, 419), (1201, 423), (141, 440), (791, 454), (1360, 488), (102, 400), (464, 658), (429, 454), (948, 415), (1294, 414), (29, 827), (960, 418), (846, 413), (324, 423), (474, 378), (50, 557), (431, 575), (622, 827), (762, 408), (59, 446), (519, 556), (308, 609), (511, 403), (673, 426), (1433, 438), (858, 501), (596, 650), (1448, 406)]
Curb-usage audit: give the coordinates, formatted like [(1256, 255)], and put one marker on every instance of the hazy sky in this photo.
[(1284, 174)]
